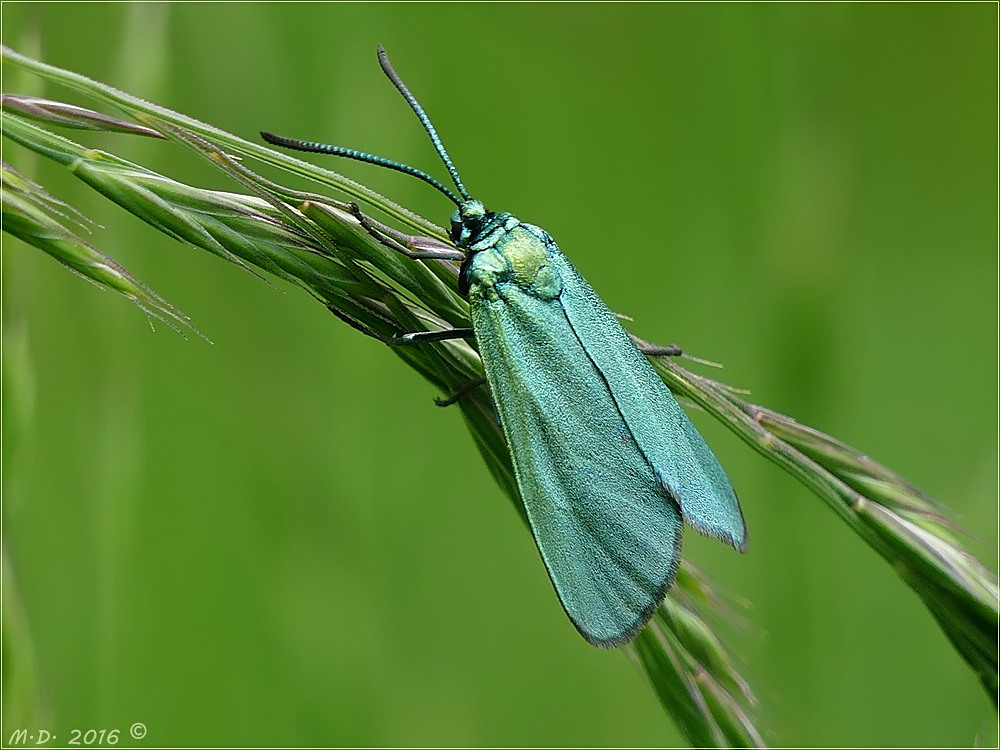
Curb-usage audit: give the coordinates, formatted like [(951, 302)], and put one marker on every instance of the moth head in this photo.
[(467, 222)]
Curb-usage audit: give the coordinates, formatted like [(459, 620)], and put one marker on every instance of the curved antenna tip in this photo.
[(383, 61)]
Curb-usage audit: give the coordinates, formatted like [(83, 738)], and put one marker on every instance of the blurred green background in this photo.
[(278, 539)]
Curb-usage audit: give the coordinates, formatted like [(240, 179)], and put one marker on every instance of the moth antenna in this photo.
[(383, 60)]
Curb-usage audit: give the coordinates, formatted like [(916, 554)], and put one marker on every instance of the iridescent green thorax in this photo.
[(502, 250)]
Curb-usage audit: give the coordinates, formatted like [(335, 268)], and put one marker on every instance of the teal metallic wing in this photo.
[(667, 439), (607, 527)]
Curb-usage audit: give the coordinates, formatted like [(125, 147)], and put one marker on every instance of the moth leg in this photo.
[(417, 337), (417, 248), (651, 350), (453, 398), (673, 351)]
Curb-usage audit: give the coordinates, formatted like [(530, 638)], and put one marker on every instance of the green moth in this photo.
[(608, 465)]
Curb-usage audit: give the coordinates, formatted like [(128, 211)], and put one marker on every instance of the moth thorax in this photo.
[(527, 261)]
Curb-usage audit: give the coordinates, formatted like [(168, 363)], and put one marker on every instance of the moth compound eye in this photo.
[(456, 227)]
